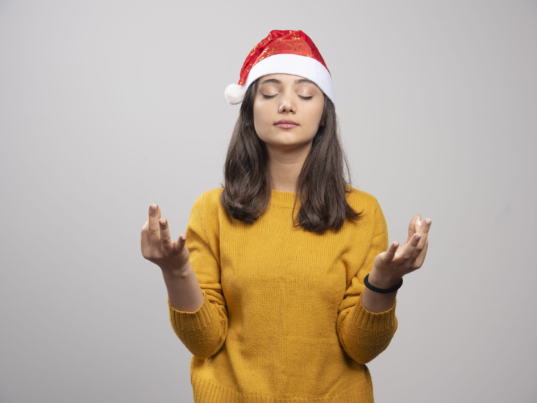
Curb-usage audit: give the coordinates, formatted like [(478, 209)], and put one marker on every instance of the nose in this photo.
[(288, 104)]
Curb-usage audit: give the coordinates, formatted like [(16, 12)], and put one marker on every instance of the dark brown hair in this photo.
[(321, 183)]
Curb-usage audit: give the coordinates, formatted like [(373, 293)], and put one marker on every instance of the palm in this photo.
[(400, 260)]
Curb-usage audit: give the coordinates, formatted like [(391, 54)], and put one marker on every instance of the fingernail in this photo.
[(418, 237), (428, 221), (153, 208), (163, 222), (418, 222)]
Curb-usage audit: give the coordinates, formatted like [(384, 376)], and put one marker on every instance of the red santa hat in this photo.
[(290, 52)]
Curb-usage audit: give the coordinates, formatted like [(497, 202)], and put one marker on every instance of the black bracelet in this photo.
[(381, 290)]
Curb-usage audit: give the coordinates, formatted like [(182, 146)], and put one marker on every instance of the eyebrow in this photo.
[(299, 81)]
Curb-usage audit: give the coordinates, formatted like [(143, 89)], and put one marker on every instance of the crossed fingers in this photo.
[(411, 255)]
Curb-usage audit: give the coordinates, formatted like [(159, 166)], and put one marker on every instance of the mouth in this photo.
[(286, 124)]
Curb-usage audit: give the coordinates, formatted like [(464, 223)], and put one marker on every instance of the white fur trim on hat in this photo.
[(234, 93), (298, 65)]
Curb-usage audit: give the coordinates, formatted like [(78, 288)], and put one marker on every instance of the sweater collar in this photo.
[(283, 199)]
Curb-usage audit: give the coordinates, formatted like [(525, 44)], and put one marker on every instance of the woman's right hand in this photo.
[(157, 246)]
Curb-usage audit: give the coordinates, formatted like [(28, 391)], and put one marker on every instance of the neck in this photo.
[(284, 167)]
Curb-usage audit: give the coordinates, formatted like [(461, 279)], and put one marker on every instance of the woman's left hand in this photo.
[(392, 265)]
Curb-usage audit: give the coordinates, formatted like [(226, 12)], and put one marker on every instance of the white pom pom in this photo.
[(235, 93)]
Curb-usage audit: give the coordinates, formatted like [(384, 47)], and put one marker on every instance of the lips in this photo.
[(286, 121), (286, 124)]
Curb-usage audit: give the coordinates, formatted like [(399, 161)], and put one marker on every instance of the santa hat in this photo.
[(290, 52)]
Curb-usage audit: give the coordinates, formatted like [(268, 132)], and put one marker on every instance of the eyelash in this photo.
[(272, 96)]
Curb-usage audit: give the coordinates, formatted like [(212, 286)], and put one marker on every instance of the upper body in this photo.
[(283, 311), (282, 315)]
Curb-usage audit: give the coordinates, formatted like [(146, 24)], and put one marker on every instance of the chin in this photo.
[(288, 141)]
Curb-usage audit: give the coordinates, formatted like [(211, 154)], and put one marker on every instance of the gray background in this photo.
[(109, 106)]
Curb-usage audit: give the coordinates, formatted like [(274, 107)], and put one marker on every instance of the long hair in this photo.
[(321, 183)]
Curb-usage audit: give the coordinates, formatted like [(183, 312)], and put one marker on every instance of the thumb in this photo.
[(181, 242), (390, 253)]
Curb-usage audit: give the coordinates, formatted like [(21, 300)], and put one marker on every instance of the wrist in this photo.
[(175, 272), (378, 280)]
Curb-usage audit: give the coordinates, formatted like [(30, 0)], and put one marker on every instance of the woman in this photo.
[(283, 287)]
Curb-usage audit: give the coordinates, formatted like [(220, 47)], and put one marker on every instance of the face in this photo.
[(286, 96)]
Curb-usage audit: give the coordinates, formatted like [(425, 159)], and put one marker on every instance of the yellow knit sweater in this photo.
[(282, 318)]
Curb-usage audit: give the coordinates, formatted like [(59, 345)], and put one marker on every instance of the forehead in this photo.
[(284, 79)]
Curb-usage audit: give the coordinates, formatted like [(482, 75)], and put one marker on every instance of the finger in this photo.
[(181, 241), (145, 241), (425, 226), (179, 245), (154, 231), (424, 231), (165, 238), (390, 253), (411, 246), (414, 225), (418, 262), (420, 256)]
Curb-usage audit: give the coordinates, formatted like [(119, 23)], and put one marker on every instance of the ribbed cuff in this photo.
[(192, 321), (371, 321)]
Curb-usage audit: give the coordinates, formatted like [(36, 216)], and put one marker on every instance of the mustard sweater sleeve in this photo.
[(363, 334), (204, 331)]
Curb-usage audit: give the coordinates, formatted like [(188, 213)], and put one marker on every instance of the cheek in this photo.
[(315, 114), (261, 118)]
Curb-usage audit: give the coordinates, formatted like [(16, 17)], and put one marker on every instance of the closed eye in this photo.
[(272, 96)]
